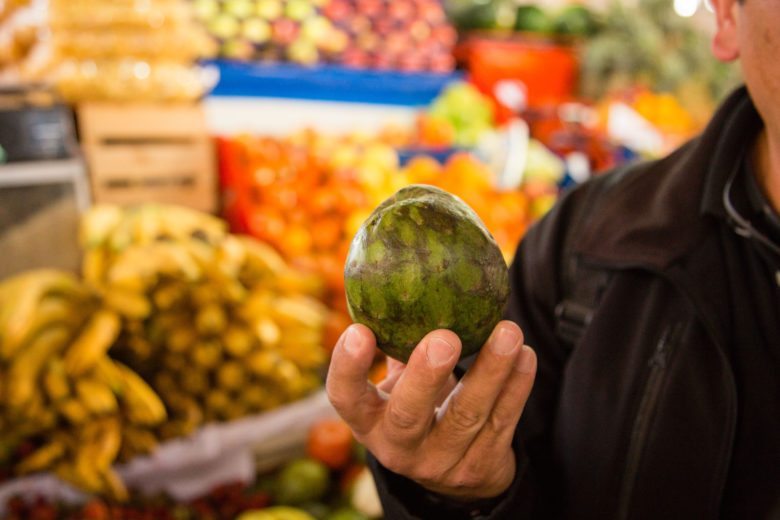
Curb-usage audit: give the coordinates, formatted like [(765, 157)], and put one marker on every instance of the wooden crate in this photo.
[(149, 153)]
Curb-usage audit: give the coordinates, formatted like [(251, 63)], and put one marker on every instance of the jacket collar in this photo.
[(662, 209)]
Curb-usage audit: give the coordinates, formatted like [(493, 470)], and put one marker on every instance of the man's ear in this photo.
[(725, 43)]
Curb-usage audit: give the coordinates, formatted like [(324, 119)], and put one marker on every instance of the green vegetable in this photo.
[(302, 480)]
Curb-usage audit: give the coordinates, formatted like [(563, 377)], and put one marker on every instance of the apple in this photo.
[(396, 43), (359, 24), (442, 62), (205, 9), (383, 61), (317, 29), (419, 30), (370, 8), (431, 12), (269, 9), (384, 25), (303, 51), (355, 58), (284, 31), (256, 30), (237, 50), (224, 26), (337, 10), (337, 42), (445, 34), (299, 10), (401, 9), (368, 41), (239, 8), (411, 63)]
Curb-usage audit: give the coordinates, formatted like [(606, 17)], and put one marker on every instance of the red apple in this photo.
[(445, 34), (419, 30), (337, 10), (401, 9), (443, 62), (370, 8), (355, 58), (384, 25), (359, 24), (368, 42), (284, 31)]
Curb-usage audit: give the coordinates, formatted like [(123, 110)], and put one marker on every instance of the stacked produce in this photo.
[(218, 324), (329, 482), (411, 35), (64, 404), (93, 50)]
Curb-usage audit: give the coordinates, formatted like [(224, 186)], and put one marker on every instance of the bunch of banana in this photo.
[(219, 324), (59, 390)]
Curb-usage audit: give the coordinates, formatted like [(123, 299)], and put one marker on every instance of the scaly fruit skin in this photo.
[(423, 261), (98, 335)]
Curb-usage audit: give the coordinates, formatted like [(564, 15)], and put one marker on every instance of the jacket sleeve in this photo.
[(535, 280)]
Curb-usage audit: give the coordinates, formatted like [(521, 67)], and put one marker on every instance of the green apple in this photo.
[(224, 26), (239, 8), (205, 9), (299, 9), (269, 9), (256, 30)]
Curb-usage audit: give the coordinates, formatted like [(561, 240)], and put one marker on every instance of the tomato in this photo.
[(330, 442)]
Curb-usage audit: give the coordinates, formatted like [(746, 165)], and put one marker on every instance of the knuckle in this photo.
[(464, 417), (401, 418), (396, 462)]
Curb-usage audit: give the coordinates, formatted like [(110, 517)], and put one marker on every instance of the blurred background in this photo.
[(180, 181)]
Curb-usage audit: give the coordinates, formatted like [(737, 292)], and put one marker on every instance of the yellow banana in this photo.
[(179, 222), (181, 339), (42, 458), (96, 396), (129, 304), (194, 382), (238, 341), (97, 336), (133, 270), (140, 441), (169, 295), (211, 319), (299, 311), (101, 442), (115, 488), (142, 405), (230, 257), (217, 401), (207, 354), (107, 372), (22, 378), (94, 265), (74, 411), (263, 363), (55, 381), (262, 259), (231, 375), (21, 304), (97, 225), (268, 332)]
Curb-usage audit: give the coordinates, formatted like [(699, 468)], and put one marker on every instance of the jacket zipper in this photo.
[(658, 364)]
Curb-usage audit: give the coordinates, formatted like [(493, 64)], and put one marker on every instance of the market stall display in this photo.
[(107, 51), (411, 35)]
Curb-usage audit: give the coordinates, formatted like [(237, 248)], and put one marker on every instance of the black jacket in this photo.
[(635, 419)]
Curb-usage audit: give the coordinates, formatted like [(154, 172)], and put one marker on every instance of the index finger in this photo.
[(349, 391)]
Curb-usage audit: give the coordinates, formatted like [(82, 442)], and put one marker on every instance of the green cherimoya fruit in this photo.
[(424, 261)]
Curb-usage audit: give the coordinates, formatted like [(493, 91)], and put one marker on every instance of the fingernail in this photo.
[(352, 340), (505, 341), (526, 360), (438, 352)]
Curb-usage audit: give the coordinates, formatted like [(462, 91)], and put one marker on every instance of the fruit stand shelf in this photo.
[(329, 83)]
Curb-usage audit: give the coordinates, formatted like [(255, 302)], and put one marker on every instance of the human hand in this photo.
[(453, 438)]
